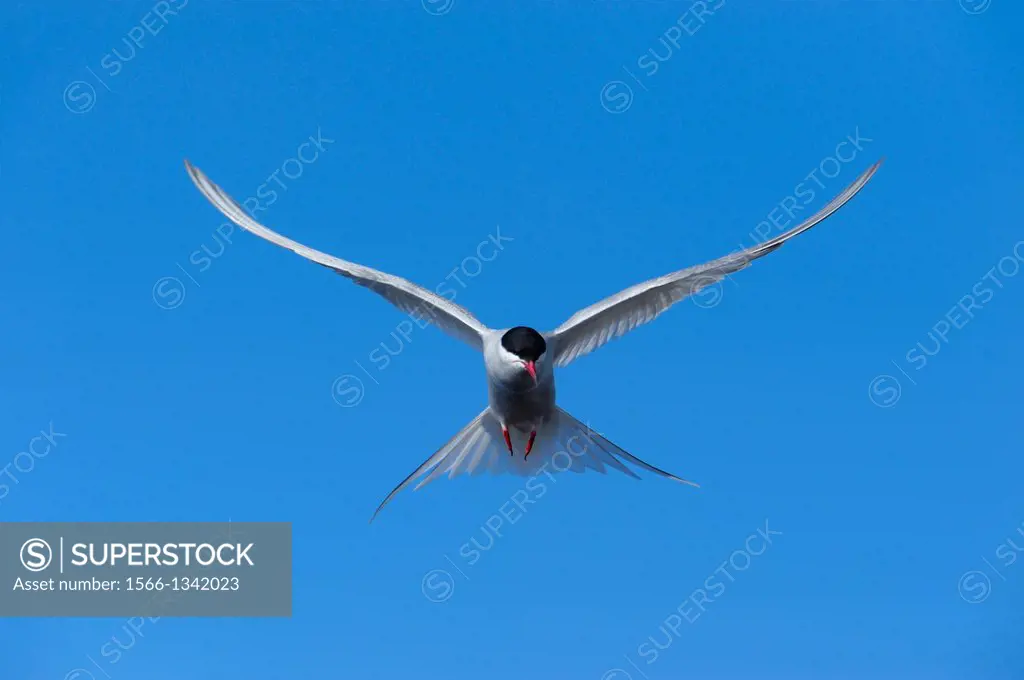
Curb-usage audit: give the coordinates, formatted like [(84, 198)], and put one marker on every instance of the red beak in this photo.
[(532, 370)]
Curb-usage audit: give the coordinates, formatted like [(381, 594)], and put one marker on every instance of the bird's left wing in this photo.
[(615, 316), (407, 296)]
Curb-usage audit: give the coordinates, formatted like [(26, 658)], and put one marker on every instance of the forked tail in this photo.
[(562, 444)]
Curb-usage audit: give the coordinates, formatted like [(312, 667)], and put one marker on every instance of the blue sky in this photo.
[(196, 376)]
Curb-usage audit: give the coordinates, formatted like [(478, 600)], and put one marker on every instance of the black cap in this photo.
[(525, 343)]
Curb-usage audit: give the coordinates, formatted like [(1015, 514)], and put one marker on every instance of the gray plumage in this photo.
[(518, 401)]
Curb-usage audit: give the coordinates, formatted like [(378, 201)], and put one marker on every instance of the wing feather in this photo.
[(613, 317), (407, 296)]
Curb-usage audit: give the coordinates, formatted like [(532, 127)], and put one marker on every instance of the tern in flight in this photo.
[(520, 361)]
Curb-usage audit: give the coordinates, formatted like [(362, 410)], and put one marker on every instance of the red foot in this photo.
[(508, 441), (529, 444)]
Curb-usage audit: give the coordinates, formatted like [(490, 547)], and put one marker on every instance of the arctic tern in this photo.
[(520, 361)]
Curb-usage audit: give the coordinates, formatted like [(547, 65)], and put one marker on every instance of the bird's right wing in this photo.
[(407, 296), (618, 314)]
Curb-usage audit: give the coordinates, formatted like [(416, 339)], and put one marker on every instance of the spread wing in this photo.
[(615, 316), (407, 296)]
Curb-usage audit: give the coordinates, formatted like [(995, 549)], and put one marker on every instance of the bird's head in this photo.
[(523, 348)]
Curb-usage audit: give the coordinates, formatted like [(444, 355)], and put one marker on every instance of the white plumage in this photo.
[(520, 362)]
